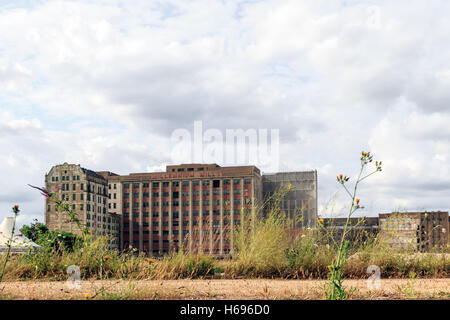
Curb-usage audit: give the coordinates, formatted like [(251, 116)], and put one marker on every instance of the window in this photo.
[(185, 183), (155, 184), (135, 185), (48, 207), (216, 183), (206, 182), (175, 184), (195, 183), (237, 181), (74, 196), (165, 184), (247, 181), (126, 185), (146, 185)]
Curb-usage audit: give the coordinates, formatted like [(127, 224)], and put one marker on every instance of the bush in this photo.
[(58, 240)]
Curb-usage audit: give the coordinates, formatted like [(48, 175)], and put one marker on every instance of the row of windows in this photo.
[(65, 178), (216, 183), (176, 194), (175, 214), (184, 203), (66, 197), (100, 190)]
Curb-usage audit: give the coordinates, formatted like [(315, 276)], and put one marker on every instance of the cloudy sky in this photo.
[(105, 83)]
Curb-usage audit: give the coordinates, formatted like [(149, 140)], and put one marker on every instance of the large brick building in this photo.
[(191, 205)]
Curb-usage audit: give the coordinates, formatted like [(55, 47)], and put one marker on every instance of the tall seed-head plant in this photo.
[(335, 289)]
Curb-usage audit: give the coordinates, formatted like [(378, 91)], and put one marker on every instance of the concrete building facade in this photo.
[(86, 192)]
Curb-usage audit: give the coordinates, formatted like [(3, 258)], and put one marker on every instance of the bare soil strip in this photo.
[(247, 289)]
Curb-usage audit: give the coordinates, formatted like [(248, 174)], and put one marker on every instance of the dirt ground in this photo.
[(223, 289)]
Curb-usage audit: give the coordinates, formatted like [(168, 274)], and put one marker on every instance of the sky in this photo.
[(105, 83)]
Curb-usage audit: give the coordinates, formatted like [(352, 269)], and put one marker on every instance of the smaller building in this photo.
[(419, 230), (19, 243), (360, 229)]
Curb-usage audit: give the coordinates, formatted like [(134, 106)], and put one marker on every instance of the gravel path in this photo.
[(223, 289)]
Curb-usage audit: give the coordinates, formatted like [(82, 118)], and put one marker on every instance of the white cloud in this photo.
[(104, 83)]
